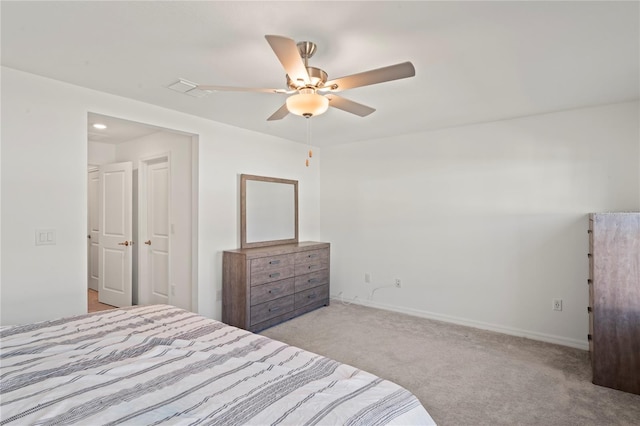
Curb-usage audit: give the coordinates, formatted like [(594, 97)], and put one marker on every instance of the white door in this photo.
[(93, 236), (153, 278), (115, 245)]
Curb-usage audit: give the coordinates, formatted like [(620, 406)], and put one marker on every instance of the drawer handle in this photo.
[(274, 262), (274, 275), (589, 255), (589, 281), (589, 337), (312, 266), (274, 309), (589, 231), (312, 255), (313, 280), (312, 296), (589, 309)]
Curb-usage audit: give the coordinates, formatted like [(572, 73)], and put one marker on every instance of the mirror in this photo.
[(268, 211)]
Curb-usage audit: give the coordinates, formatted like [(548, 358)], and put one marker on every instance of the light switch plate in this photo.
[(45, 237)]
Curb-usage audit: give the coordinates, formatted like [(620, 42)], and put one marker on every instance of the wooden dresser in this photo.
[(614, 300), (264, 286)]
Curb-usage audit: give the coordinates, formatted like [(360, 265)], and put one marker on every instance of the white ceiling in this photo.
[(475, 61), (117, 131)]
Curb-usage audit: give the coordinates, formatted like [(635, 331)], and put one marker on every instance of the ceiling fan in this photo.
[(311, 93)]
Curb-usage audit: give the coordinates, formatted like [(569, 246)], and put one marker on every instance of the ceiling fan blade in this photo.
[(279, 114), (349, 106), (380, 75), (289, 56), (238, 89)]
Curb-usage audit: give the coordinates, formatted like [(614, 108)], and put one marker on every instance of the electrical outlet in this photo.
[(367, 277), (398, 283), (557, 304)]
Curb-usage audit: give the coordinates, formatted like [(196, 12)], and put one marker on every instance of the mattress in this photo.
[(163, 365)]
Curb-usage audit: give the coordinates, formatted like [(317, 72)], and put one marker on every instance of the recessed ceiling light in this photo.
[(100, 126)]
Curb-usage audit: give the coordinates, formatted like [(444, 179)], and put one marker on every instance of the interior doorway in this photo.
[(163, 207)]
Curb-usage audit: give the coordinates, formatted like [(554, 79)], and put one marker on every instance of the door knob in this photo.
[(148, 242), (126, 243)]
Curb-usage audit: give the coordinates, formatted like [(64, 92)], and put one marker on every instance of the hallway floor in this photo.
[(94, 305)]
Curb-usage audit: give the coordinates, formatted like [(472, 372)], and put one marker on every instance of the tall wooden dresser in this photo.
[(264, 286), (614, 300)]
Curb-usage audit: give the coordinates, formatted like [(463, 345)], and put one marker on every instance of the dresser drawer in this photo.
[(271, 262), (314, 279), (271, 309), (306, 268), (265, 292), (270, 276), (312, 295), (313, 256)]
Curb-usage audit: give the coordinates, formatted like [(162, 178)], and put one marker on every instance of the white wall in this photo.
[(178, 147), (101, 153), (484, 224), (44, 165)]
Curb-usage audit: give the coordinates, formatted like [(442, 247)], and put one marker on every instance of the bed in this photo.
[(160, 364)]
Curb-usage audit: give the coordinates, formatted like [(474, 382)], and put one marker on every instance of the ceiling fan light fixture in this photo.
[(307, 103)]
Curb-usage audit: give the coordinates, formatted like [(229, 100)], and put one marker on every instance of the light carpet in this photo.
[(463, 375)]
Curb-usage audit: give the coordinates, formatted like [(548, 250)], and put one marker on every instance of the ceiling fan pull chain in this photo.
[(308, 140)]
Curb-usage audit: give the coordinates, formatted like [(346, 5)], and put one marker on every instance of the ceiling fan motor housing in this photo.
[(306, 49), (317, 76)]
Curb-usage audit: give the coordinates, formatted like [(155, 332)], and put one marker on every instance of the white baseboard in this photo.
[(549, 338)]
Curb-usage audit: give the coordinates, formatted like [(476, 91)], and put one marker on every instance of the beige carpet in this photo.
[(464, 376)]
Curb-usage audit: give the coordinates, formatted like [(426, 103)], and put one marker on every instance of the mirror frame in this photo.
[(243, 211)]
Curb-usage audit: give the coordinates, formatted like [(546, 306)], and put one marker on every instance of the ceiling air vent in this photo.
[(188, 88)]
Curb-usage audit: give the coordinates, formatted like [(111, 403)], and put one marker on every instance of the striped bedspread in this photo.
[(163, 365)]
